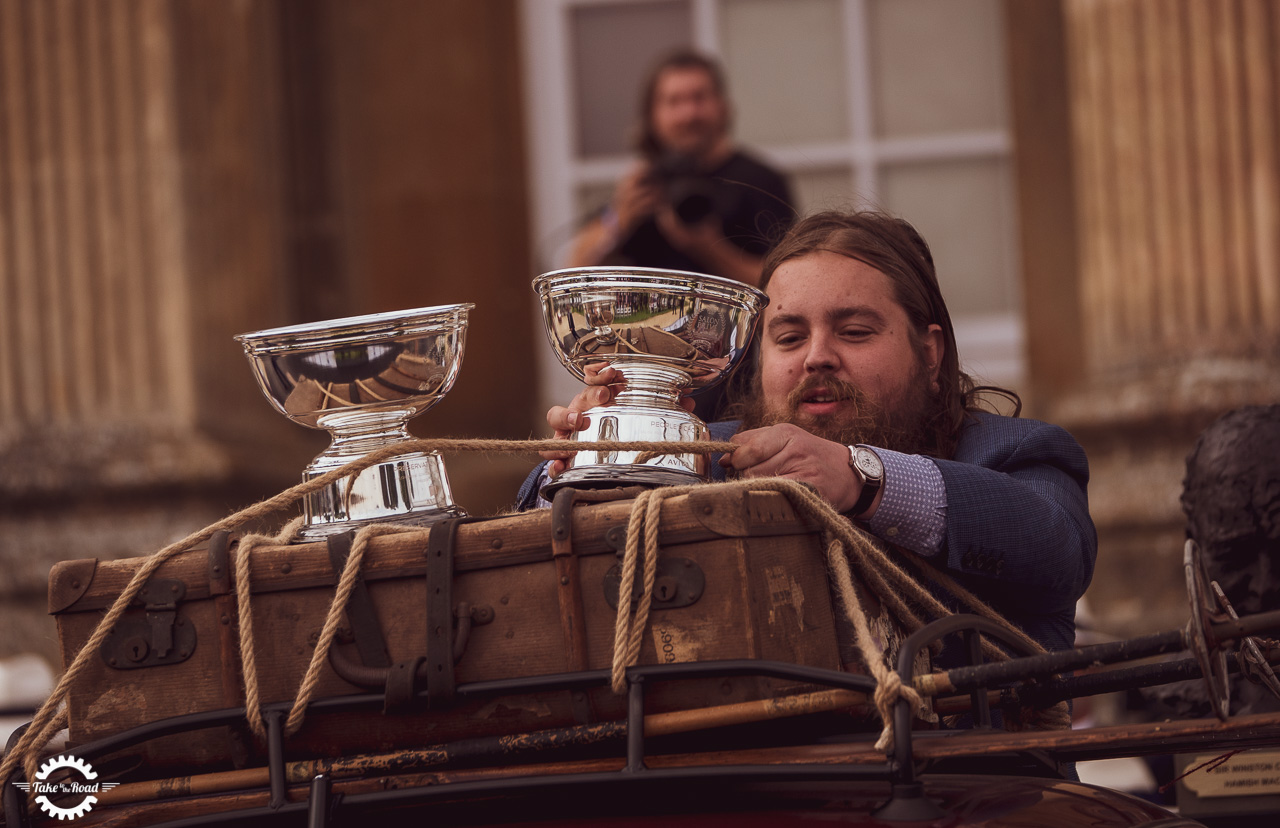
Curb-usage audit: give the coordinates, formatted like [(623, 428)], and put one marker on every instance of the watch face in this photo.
[(869, 463)]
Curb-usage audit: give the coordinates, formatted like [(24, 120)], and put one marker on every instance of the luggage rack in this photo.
[(893, 769), (632, 728), (905, 798)]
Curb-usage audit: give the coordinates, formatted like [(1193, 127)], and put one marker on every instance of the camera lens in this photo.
[(693, 208)]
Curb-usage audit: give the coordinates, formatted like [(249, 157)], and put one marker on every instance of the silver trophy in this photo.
[(667, 332), (362, 379)]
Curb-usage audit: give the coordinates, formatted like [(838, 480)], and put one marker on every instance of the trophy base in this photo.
[(320, 531), (614, 476), (411, 489), (636, 417)]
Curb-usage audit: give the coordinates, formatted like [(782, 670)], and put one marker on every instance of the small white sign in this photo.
[(1251, 773)]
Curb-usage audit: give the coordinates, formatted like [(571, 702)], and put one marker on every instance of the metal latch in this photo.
[(677, 582), (157, 635)]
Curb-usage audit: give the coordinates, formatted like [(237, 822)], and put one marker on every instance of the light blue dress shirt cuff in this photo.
[(913, 508), (543, 480)]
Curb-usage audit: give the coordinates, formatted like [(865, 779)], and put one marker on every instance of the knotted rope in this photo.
[(846, 549), (884, 577), (248, 658), (346, 584), (52, 717)]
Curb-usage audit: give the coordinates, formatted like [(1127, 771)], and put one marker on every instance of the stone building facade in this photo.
[(1149, 179), (176, 172), (173, 173)]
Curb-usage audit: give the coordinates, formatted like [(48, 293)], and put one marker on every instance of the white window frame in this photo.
[(991, 343)]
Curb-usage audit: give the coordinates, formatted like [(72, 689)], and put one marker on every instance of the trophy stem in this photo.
[(408, 488), (355, 434), (650, 385)]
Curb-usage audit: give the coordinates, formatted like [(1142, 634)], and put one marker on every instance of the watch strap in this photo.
[(870, 486)]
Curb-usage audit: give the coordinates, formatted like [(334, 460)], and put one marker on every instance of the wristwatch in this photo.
[(869, 470)]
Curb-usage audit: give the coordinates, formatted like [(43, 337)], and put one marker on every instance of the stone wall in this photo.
[(175, 173), (1149, 170)]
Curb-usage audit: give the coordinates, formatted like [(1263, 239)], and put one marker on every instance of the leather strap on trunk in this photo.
[(441, 685), (224, 611), (569, 583), (365, 627)]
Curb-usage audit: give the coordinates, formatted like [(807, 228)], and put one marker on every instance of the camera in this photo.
[(686, 188)]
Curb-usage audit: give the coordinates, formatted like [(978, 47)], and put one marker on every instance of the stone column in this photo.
[(123, 277), (175, 172), (1169, 170)]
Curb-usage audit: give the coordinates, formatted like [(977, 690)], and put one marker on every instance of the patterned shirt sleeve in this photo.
[(913, 509), (543, 479)]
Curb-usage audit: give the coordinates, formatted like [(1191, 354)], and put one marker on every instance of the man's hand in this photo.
[(603, 384), (635, 198), (699, 239), (786, 450), (704, 242)]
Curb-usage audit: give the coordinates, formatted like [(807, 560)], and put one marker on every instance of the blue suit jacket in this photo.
[(1018, 531)]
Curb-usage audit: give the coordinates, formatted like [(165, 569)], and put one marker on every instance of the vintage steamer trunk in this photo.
[(741, 577)]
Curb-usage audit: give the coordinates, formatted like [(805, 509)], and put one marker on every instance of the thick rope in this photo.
[(889, 686), (346, 584), (628, 632), (876, 568), (51, 718), (248, 658), (844, 545), (630, 629)]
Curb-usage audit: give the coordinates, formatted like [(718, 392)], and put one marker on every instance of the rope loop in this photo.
[(898, 590), (248, 658), (333, 619)]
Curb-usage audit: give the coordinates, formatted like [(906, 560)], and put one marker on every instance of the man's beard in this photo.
[(694, 139), (909, 425)]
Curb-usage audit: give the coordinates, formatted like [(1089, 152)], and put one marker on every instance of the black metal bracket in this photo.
[(275, 758), (321, 803), (158, 635), (907, 802), (678, 582)]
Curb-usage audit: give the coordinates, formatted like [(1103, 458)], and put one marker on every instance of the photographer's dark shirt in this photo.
[(752, 201)]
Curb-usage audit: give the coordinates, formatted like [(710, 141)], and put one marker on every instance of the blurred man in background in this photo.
[(694, 201)]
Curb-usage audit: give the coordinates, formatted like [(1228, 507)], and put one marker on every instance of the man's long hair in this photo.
[(646, 142), (893, 247)]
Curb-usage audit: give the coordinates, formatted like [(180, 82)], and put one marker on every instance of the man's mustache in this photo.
[(834, 387)]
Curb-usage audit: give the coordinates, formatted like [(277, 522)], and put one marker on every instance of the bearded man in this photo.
[(857, 391)]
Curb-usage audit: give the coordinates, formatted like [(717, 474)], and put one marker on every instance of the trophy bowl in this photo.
[(667, 332), (362, 379)]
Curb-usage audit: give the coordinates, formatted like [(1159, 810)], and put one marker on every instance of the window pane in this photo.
[(786, 70), (590, 199), (964, 209), (613, 46), (937, 65), (830, 189)]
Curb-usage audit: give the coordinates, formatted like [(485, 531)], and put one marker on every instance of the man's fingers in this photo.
[(590, 397), (755, 447), (565, 420), (602, 373)]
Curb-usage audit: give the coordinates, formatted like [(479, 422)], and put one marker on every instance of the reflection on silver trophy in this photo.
[(362, 379), (667, 332)]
